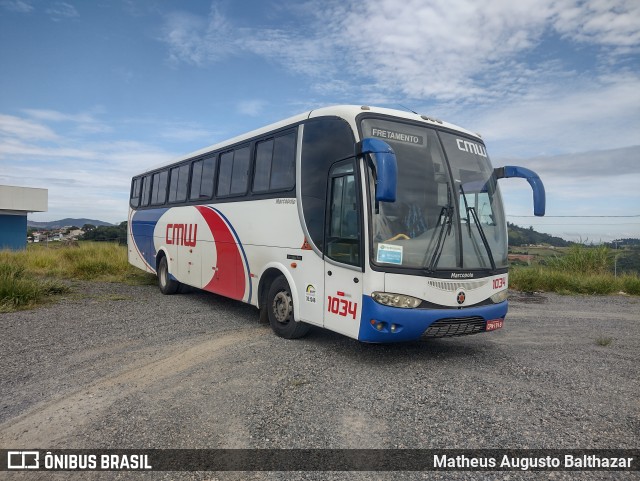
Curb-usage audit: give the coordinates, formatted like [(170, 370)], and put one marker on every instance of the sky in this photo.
[(93, 92)]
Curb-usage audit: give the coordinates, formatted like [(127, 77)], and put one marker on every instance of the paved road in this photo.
[(117, 366)]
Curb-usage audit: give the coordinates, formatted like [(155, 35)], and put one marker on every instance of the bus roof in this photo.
[(347, 112)]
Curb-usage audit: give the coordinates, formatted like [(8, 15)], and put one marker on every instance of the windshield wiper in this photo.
[(474, 215), (446, 217)]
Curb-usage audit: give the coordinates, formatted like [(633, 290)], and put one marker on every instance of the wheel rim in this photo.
[(282, 307)]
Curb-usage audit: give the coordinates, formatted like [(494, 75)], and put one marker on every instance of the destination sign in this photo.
[(399, 136)]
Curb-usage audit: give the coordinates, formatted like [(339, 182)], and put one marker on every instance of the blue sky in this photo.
[(93, 92)]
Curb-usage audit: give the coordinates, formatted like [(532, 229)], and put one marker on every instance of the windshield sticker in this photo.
[(391, 135), (471, 147), (389, 254)]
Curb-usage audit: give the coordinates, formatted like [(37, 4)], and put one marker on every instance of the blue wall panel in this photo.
[(13, 231)]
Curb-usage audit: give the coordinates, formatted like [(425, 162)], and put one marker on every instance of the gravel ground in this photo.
[(115, 366)]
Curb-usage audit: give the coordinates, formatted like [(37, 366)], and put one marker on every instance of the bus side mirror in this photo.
[(383, 163), (539, 196)]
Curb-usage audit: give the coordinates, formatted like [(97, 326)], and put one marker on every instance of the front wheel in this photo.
[(165, 282), (280, 311)]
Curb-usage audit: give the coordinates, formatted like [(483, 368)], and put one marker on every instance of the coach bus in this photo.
[(374, 223)]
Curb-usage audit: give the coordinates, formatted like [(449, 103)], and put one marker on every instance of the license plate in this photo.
[(494, 324)]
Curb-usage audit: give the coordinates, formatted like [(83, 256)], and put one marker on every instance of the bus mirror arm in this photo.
[(539, 196), (383, 163)]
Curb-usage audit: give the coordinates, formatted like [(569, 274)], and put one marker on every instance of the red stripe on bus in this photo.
[(228, 279)]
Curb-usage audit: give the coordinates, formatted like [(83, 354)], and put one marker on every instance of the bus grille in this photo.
[(450, 327)]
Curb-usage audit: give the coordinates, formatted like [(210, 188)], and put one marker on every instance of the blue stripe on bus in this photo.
[(413, 322), (143, 224)]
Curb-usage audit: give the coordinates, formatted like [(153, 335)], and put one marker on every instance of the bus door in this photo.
[(343, 253)]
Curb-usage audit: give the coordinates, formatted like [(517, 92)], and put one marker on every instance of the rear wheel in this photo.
[(280, 310), (166, 284)]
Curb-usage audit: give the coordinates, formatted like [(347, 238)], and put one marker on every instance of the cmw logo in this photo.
[(471, 147), (182, 234)]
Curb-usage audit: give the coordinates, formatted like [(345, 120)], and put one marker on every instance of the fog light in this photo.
[(394, 328)]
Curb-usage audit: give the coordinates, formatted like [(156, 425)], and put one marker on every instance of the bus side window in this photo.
[(240, 174), (262, 172), (179, 183), (233, 176), (202, 178), (343, 236), (275, 164), (135, 192), (146, 190), (283, 168), (224, 175), (159, 188)]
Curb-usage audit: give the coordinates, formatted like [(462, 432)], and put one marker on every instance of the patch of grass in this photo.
[(30, 276), (581, 270), (102, 261), (548, 279), (580, 259), (604, 341), (20, 290)]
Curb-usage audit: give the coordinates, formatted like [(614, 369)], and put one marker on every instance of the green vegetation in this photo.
[(20, 290), (519, 236), (105, 233), (31, 276), (604, 341), (579, 269)]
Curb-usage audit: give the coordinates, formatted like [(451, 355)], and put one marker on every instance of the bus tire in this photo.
[(166, 284), (280, 309)]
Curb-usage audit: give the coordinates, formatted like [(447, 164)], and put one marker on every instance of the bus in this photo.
[(378, 224)]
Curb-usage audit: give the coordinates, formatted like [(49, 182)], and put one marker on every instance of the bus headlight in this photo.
[(501, 296), (396, 300)]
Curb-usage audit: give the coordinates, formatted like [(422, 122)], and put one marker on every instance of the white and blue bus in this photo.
[(378, 224)]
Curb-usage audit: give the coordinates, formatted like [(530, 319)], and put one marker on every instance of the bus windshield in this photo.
[(448, 212)]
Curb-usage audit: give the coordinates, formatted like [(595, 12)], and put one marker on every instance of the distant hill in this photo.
[(57, 224), (519, 236)]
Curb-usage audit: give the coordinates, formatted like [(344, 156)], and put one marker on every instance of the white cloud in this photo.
[(600, 113), (19, 6), (611, 23), (198, 41), (252, 108), (84, 176), (61, 10), (24, 129)]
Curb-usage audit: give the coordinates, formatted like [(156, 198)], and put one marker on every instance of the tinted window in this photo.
[(135, 192), (224, 176), (179, 183), (240, 174), (196, 178), (262, 173), (234, 172), (283, 173), (324, 142), (275, 164), (343, 236), (146, 190), (202, 179), (159, 192)]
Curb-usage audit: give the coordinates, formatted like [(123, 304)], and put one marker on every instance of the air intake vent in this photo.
[(451, 286), (461, 326)]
